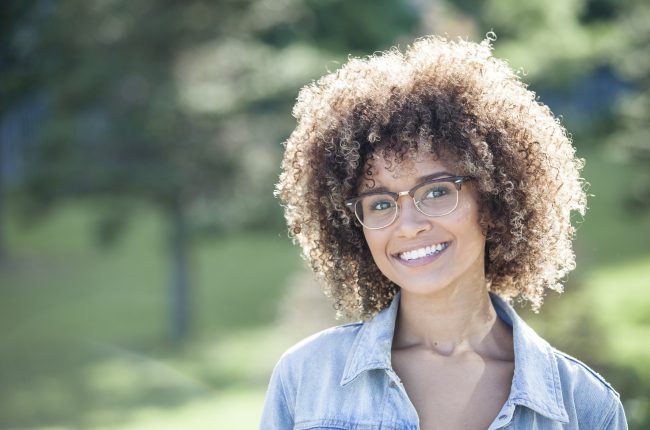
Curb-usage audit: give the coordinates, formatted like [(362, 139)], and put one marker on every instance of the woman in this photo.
[(429, 189)]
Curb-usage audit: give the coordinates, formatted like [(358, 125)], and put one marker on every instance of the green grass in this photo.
[(85, 329)]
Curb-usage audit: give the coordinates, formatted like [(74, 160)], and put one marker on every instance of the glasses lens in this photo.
[(376, 210), (436, 198)]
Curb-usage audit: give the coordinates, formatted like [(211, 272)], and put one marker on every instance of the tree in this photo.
[(17, 20), (178, 104)]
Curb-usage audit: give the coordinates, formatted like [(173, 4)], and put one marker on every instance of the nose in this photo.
[(410, 221)]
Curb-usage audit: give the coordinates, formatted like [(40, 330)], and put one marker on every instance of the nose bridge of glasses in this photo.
[(403, 193), (409, 193)]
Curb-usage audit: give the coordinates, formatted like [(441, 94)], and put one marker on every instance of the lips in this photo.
[(423, 252)]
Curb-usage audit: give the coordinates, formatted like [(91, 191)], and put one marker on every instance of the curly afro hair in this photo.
[(469, 109)]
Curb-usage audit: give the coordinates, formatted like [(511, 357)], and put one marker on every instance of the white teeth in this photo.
[(422, 252)]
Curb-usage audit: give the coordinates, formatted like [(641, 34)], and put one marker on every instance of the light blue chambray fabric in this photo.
[(342, 378)]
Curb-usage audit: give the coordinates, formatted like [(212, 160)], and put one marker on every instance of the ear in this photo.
[(491, 225), (486, 223)]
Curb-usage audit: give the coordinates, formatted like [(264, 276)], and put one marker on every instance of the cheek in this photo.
[(376, 243), (467, 224), (466, 217)]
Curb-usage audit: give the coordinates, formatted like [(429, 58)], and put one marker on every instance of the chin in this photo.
[(423, 287)]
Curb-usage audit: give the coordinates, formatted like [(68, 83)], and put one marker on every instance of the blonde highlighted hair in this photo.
[(473, 112)]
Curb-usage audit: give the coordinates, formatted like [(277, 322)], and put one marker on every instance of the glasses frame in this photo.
[(456, 180)]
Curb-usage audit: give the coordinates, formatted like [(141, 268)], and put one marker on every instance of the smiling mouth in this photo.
[(423, 252)]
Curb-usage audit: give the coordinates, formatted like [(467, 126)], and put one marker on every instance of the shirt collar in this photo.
[(536, 381), (372, 346)]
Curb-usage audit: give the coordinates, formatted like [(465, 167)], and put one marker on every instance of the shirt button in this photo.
[(503, 417)]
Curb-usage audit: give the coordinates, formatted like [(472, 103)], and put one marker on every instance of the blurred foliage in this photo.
[(588, 60), (563, 49), (177, 104), (630, 142)]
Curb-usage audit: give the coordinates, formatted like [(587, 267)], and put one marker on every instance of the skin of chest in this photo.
[(463, 391)]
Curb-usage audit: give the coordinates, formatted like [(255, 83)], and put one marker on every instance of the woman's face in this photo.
[(454, 243)]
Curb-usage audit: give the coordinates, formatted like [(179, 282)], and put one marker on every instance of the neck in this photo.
[(449, 322)]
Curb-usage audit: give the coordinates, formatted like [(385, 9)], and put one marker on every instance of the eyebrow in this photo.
[(420, 179)]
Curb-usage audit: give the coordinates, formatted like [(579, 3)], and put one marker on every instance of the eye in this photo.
[(381, 205), (378, 203), (436, 191)]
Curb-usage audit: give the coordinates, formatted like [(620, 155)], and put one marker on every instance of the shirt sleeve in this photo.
[(276, 414), (617, 419)]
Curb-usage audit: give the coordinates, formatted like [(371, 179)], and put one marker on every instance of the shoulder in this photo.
[(311, 368), (586, 392), (578, 375), (325, 349), (338, 336)]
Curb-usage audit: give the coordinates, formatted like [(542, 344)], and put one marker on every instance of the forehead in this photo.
[(389, 171)]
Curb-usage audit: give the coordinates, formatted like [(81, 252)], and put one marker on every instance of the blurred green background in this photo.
[(146, 278)]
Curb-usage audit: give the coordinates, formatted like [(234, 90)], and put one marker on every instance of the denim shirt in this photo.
[(342, 378)]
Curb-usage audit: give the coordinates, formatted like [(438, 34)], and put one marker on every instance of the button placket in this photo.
[(504, 418)]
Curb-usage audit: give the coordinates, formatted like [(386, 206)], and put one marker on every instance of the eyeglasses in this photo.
[(434, 198)]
